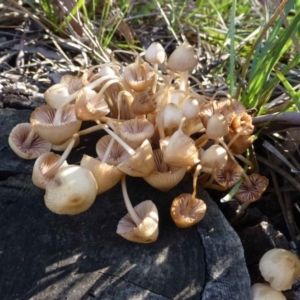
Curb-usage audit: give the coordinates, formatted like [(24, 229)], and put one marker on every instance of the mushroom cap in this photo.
[(89, 105), (217, 127), (72, 191), (142, 104), (106, 175), (164, 177), (117, 153), (139, 76), (43, 163), (140, 164), (180, 150), (135, 131), (155, 53), (186, 214), (183, 58), (215, 157), (27, 150), (280, 268), (252, 192), (56, 95), (147, 230), (229, 174), (263, 291), (42, 121)]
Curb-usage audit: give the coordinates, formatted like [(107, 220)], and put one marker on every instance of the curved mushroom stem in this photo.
[(155, 69), (52, 171), (94, 84), (29, 138), (191, 200), (131, 211)]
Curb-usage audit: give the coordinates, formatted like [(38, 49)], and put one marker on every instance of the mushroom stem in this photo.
[(52, 171), (29, 138), (183, 83), (116, 137), (58, 115), (191, 200), (93, 85), (108, 149), (201, 141), (155, 69), (131, 211)]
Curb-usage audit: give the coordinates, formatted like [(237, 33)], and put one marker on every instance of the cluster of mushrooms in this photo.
[(280, 268), (157, 127)]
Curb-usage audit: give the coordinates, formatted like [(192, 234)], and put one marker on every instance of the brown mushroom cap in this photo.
[(147, 230), (186, 214), (252, 190), (164, 177), (26, 143)]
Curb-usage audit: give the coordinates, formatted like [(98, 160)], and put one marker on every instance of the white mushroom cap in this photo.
[(280, 268), (263, 291), (72, 190)]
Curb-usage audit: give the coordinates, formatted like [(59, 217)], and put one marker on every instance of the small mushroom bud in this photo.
[(155, 53), (280, 268)]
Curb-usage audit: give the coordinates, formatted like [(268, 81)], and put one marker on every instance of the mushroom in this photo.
[(280, 268), (156, 55), (141, 223), (252, 187), (138, 76), (106, 175), (44, 163), (135, 131), (263, 291), (72, 191), (26, 143), (181, 150), (90, 106), (182, 60), (43, 120), (164, 177), (186, 209)]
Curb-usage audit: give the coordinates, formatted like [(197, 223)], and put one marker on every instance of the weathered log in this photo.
[(48, 256)]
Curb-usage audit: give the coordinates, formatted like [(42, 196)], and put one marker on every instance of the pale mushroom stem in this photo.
[(52, 171), (131, 211), (58, 114), (155, 69), (183, 83), (93, 85), (128, 99), (191, 200), (108, 149), (29, 138)]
